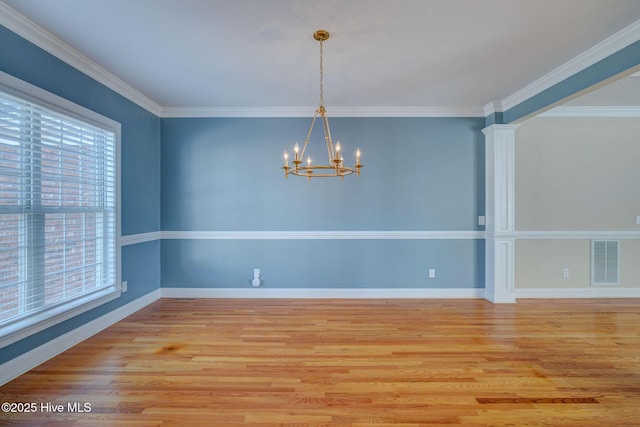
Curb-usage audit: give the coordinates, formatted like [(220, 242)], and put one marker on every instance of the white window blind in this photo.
[(58, 221)]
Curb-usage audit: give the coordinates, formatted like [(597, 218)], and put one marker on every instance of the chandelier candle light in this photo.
[(336, 165)]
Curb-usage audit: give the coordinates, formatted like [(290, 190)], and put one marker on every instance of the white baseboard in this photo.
[(609, 292), (408, 293), (29, 360), (321, 235), (500, 299), (338, 293)]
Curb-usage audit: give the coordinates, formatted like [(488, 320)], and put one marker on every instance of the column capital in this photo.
[(500, 128)]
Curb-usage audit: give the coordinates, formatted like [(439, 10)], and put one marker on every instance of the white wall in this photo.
[(576, 175)]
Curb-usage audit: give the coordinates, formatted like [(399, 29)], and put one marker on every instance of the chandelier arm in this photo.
[(306, 141), (327, 137)]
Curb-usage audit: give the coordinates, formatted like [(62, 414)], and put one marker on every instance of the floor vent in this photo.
[(605, 264)]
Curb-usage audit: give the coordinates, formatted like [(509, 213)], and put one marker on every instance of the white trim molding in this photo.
[(29, 360), (134, 239), (177, 112), (577, 235), (329, 293), (492, 107), (591, 292)]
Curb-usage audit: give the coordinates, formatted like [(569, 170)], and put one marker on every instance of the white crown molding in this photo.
[(177, 112), (219, 112), (586, 111), (32, 32), (492, 107), (407, 112), (609, 46), (321, 235)]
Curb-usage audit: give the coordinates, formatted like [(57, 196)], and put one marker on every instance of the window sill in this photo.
[(23, 328)]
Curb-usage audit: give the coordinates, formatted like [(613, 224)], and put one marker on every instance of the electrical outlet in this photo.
[(124, 286), (481, 220), (565, 273), (638, 220), (432, 273)]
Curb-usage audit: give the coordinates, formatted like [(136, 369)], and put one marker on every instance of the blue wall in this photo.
[(388, 264), (140, 171), (420, 174)]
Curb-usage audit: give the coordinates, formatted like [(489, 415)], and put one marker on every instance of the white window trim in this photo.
[(21, 329)]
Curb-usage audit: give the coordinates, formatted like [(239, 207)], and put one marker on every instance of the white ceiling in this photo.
[(457, 54)]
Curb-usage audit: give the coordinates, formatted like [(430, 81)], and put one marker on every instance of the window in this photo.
[(59, 227)]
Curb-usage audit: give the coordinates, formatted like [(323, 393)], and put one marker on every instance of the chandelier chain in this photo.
[(321, 74)]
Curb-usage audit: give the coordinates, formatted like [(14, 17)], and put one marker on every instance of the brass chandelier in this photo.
[(336, 166)]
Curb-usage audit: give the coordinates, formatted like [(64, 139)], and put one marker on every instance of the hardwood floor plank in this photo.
[(348, 363)]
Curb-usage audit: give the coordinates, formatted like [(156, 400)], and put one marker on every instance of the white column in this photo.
[(500, 213)]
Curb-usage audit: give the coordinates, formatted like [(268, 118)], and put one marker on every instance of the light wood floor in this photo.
[(350, 363)]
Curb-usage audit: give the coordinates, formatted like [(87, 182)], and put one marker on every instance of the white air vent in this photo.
[(604, 262)]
